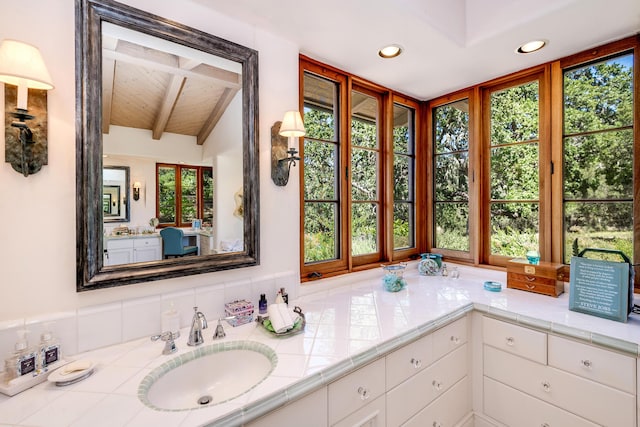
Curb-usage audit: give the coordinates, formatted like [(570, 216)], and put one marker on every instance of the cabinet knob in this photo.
[(586, 363), (510, 341), (437, 385), (417, 363), (436, 424), (363, 392), (544, 425), (455, 339), (546, 386)]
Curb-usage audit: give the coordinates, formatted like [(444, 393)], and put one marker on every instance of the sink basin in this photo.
[(207, 376)]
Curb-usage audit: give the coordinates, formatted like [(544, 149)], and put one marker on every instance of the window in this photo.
[(598, 147), (184, 193), (451, 227), (512, 137), (358, 173), (404, 161)]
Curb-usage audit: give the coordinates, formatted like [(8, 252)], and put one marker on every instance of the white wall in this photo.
[(37, 214)]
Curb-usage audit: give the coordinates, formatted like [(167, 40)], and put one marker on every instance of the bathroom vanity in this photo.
[(442, 352)]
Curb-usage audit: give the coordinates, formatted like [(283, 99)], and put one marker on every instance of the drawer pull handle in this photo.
[(530, 287), (530, 279), (455, 340), (437, 385), (544, 425), (586, 363), (510, 341), (417, 363), (546, 387), (436, 424), (363, 392)]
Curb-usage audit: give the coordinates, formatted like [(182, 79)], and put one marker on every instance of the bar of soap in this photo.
[(78, 365)]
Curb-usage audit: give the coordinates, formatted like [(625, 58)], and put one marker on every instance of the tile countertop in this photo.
[(350, 321)]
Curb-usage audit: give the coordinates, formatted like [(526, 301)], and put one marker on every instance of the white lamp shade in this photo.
[(21, 64), (292, 124)]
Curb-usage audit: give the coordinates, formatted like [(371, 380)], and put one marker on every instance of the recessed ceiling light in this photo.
[(390, 51), (531, 46)]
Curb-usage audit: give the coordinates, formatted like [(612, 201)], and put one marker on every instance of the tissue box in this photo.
[(241, 309)]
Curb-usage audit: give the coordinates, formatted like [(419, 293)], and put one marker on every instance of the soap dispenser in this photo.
[(48, 351), (23, 361)]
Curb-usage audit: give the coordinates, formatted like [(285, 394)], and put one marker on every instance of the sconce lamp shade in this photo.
[(22, 64), (292, 124), (137, 185)]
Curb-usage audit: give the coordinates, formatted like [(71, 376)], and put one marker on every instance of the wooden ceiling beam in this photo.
[(108, 76), (215, 115), (168, 103)]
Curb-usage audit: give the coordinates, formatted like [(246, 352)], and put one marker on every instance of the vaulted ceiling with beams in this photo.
[(447, 44), (147, 88)]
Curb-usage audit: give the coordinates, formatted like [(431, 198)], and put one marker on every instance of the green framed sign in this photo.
[(599, 288)]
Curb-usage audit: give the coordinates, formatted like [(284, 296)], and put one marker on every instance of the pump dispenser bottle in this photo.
[(23, 361), (48, 351)]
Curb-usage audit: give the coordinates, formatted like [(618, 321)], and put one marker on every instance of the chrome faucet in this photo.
[(198, 323), (168, 337)]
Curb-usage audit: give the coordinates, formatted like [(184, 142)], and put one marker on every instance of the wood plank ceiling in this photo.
[(146, 88)]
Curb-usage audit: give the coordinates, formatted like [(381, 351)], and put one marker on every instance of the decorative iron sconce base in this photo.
[(25, 138), (281, 156)]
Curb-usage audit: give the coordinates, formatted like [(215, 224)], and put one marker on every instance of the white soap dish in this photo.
[(71, 373)]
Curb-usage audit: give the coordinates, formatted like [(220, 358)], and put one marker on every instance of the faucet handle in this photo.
[(168, 337), (219, 329)]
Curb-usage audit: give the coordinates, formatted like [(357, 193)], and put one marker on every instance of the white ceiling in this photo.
[(448, 44)]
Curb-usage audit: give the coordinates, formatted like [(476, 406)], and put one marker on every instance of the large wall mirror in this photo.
[(169, 115)]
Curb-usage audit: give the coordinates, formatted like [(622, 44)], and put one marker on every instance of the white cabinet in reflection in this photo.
[(126, 250)]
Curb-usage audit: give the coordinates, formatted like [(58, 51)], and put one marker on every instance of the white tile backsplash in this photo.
[(183, 302), (94, 327), (141, 317), (99, 326)]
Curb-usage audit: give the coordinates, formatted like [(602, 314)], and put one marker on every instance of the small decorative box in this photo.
[(242, 310)]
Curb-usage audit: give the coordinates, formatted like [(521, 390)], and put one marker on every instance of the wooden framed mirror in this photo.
[(117, 46)]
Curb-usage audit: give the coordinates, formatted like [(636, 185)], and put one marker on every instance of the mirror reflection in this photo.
[(172, 116), (178, 109), (115, 195)]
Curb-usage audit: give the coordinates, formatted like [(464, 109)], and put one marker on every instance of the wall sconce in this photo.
[(283, 152), (21, 66), (136, 190)]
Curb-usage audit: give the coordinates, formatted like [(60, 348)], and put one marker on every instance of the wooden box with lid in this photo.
[(544, 278)]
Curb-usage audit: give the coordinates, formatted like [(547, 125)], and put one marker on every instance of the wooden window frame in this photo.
[(199, 192), (346, 262)]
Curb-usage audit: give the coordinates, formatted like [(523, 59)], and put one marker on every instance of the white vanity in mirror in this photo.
[(132, 248)]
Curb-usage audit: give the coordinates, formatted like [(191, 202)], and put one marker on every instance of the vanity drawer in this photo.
[(515, 339), (447, 410), (352, 392), (514, 408), (409, 360), (449, 337), (146, 243), (120, 243), (596, 402), (603, 366), (418, 391)]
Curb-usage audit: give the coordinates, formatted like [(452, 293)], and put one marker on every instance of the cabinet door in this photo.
[(352, 392), (371, 415), (595, 402), (514, 408), (447, 410), (418, 391), (118, 256), (310, 410), (146, 254)]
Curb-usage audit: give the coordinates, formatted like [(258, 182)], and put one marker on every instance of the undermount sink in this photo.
[(207, 376)]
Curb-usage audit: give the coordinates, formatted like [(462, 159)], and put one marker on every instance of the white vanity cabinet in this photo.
[(567, 384), (125, 250), (427, 380)]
